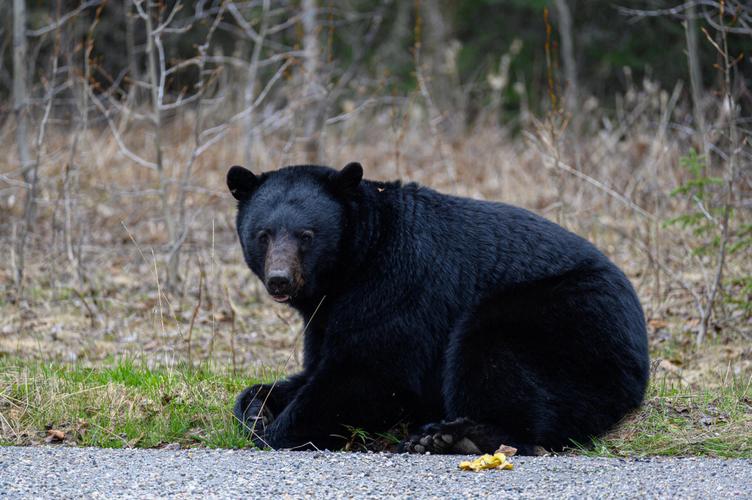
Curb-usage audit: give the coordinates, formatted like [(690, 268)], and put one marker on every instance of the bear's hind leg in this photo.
[(494, 393), (550, 364)]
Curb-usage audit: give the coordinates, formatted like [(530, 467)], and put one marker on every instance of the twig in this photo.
[(232, 329), (595, 182), (159, 294), (195, 312), (116, 135), (64, 19)]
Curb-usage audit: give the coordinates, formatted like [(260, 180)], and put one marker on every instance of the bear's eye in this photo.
[(306, 236), (263, 237)]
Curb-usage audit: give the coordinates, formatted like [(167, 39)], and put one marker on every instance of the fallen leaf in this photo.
[(495, 461), (682, 409), (657, 324), (506, 450), (54, 436)]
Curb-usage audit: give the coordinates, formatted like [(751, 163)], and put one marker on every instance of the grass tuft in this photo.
[(122, 404), (678, 421)]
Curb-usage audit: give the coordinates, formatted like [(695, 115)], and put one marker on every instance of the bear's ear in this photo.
[(347, 179), (242, 182)]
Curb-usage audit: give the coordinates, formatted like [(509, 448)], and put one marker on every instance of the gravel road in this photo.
[(63, 472)]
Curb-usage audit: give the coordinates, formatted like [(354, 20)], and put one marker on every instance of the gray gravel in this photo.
[(62, 472)]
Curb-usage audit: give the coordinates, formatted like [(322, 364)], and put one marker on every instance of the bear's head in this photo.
[(291, 223)]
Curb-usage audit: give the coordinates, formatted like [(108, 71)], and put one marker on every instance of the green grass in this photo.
[(122, 404), (125, 403), (678, 421)]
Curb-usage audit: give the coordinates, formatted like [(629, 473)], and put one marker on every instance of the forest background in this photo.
[(627, 122)]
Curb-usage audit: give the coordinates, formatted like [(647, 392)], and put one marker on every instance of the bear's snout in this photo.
[(279, 283), (282, 270)]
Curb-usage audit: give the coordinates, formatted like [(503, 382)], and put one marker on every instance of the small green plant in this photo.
[(358, 439), (705, 219), (741, 293), (361, 440), (702, 220), (717, 235)]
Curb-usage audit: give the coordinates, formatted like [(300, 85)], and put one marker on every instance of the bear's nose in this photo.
[(279, 281)]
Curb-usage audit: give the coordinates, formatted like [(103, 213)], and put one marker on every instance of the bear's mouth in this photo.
[(280, 298)]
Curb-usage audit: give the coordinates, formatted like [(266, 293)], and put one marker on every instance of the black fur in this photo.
[(432, 308)]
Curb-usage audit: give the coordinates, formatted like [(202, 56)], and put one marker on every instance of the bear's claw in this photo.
[(441, 438), (252, 414)]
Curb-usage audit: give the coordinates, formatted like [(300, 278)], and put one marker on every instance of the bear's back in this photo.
[(496, 239)]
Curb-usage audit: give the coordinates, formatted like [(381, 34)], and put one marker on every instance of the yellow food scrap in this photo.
[(495, 461)]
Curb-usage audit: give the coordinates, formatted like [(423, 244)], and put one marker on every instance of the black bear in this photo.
[(479, 323)]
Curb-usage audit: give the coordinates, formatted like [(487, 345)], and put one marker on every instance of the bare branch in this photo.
[(594, 182), (113, 128), (64, 19), (247, 28)]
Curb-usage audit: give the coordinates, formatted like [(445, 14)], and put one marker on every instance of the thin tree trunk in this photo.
[(567, 53), (19, 110), (439, 77), (249, 95), (19, 86), (436, 34), (33, 168), (130, 45), (154, 84), (695, 79), (311, 68), (181, 228), (393, 49), (157, 88)]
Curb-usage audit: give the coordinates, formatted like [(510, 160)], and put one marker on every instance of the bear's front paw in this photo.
[(253, 415)]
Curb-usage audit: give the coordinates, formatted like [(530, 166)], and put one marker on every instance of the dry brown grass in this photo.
[(611, 183)]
